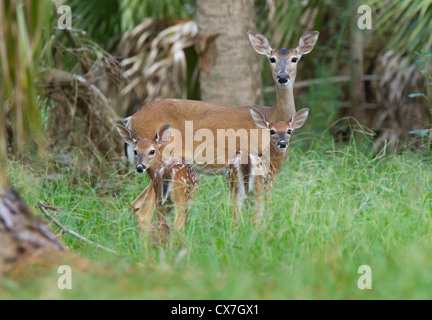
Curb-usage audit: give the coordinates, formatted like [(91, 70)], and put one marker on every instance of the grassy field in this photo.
[(334, 209)]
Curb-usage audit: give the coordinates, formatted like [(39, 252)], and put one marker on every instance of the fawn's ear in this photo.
[(299, 119), (260, 43), (127, 135), (163, 135), (259, 118), (307, 42)]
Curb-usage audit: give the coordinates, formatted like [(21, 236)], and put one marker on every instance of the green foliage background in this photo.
[(103, 19), (335, 207)]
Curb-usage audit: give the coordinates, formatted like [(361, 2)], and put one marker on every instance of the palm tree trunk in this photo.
[(356, 53), (229, 68)]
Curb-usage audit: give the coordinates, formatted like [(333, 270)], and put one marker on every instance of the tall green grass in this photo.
[(334, 209)]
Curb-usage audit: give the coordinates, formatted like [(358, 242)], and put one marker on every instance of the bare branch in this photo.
[(43, 206)]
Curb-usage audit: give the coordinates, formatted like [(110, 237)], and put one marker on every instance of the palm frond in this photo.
[(399, 114), (154, 60), (404, 24), (80, 111), (103, 19)]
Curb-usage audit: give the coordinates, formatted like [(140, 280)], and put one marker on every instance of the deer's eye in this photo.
[(272, 60), (135, 152), (272, 132), (152, 152), (294, 60), (289, 131)]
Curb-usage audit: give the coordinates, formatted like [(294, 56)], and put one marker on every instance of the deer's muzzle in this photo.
[(140, 168)]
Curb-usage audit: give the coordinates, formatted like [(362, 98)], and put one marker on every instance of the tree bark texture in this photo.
[(21, 233), (229, 68), (357, 88)]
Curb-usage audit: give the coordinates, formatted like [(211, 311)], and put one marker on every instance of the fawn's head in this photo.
[(283, 61), (146, 149), (280, 131)]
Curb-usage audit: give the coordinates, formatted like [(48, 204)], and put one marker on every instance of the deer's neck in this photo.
[(277, 159), (158, 161), (285, 105)]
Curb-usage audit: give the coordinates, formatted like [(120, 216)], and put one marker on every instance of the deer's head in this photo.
[(146, 149), (280, 131), (283, 61)]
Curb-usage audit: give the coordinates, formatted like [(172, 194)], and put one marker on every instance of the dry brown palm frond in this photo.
[(154, 60), (81, 113), (398, 113)]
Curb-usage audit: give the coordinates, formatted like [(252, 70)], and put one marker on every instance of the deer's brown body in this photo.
[(204, 116)]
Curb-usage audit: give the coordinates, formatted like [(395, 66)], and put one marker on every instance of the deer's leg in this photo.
[(268, 188), (259, 199), (161, 215), (268, 200), (138, 202), (146, 207), (163, 199), (161, 210), (181, 195), (237, 199), (181, 216), (159, 233)]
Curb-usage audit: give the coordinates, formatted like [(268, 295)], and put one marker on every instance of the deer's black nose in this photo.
[(282, 144), (283, 77), (140, 168)]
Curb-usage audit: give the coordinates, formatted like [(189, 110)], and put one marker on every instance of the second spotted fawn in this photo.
[(175, 181), (252, 176)]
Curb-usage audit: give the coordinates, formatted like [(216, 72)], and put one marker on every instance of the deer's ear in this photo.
[(307, 42), (164, 134), (259, 119), (299, 119), (127, 135), (260, 43)]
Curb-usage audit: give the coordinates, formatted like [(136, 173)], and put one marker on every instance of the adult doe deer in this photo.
[(211, 117), (252, 176), (175, 181)]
